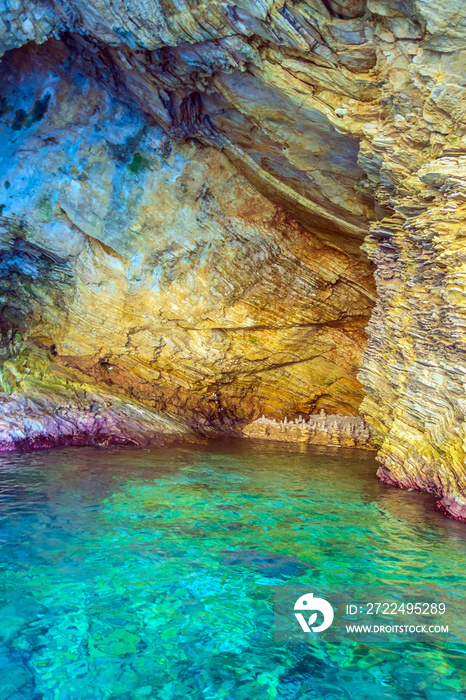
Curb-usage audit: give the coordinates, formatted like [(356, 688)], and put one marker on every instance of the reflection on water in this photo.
[(148, 574)]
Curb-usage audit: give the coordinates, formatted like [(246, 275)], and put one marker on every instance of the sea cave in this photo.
[(232, 295)]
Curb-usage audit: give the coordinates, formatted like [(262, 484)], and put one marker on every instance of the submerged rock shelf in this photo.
[(323, 429)]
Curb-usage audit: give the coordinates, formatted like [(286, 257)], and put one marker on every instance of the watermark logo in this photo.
[(370, 614), (308, 603)]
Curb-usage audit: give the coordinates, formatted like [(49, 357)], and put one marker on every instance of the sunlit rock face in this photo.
[(347, 117), (153, 269), (414, 368)]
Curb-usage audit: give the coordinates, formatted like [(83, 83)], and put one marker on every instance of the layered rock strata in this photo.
[(414, 368), (269, 83), (323, 429), (43, 415), (134, 264), (416, 405), (341, 113)]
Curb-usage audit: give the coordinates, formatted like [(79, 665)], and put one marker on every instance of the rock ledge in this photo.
[(322, 429)]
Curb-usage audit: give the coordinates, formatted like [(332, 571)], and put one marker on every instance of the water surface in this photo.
[(149, 574)]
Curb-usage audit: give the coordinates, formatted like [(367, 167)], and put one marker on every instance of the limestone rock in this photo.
[(152, 268), (50, 416), (133, 241), (323, 429)]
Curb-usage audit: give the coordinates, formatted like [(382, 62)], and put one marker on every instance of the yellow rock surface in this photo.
[(164, 276), (186, 187)]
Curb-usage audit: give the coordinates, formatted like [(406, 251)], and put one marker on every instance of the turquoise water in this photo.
[(149, 574)]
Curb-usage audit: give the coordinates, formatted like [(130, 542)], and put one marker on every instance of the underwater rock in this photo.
[(269, 564)]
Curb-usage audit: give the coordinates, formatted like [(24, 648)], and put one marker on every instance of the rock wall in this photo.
[(348, 116), (414, 368), (323, 429), (273, 85), (46, 415), (151, 268)]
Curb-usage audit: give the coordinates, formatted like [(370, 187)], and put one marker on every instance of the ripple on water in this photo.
[(132, 573)]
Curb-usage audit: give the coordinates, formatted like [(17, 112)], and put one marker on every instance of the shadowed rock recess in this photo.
[(185, 188)]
